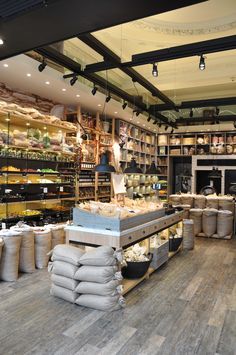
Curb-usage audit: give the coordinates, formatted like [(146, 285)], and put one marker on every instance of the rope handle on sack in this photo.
[(118, 276), (122, 301)]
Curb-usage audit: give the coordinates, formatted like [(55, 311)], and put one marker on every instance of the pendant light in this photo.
[(104, 166), (133, 168), (152, 169)]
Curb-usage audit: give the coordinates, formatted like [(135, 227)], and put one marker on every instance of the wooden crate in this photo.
[(160, 255)]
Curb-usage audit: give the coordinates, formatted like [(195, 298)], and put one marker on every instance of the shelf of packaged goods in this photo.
[(37, 183), (104, 184), (24, 173), (105, 195), (97, 131), (53, 200), (86, 198), (26, 121), (39, 160), (87, 185), (34, 149)]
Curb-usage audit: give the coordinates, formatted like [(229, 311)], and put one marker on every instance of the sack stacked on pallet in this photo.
[(64, 267), (9, 264), (43, 240), (27, 259), (58, 234), (100, 280)]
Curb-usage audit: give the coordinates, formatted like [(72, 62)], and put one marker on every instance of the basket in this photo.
[(174, 243), (136, 269)]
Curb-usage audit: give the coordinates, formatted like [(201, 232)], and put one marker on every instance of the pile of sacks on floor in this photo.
[(90, 279), (24, 248)]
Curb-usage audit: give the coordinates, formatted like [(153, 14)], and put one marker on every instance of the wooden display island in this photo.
[(122, 239)]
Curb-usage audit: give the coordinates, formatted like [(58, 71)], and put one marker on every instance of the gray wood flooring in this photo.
[(187, 307)]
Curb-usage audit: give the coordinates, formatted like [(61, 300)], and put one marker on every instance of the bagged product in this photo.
[(58, 234), (110, 288), (188, 234), (196, 215), (101, 256), (212, 202), (65, 282), (102, 303), (42, 240), (63, 293), (175, 200), (67, 253), (10, 255), (200, 201), (224, 224), (1, 246), (187, 199), (27, 260), (209, 217), (226, 203), (100, 274), (64, 269)]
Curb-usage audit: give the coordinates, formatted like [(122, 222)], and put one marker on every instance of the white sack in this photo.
[(100, 274), (110, 288), (64, 269), (101, 256), (102, 303), (63, 293), (65, 282), (67, 253)]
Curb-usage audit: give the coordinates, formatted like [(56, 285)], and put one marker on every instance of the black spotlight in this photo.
[(149, 118), (172, 131), (154, 70), (166, 127), (124, 105), (108, 98), (217, 111), (73, 79), (234, 124), (159, 125), (137, 113), (94, 90), (202, 64), (84, 136), (191, 113), (42, 65)]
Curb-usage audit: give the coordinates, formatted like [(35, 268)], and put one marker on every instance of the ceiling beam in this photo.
[(224, 101), (61, 59), (58, 20), (188, 121), (109, 55)]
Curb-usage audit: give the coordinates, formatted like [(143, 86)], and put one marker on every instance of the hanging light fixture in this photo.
[(133, 168), (94, 90), (154, 70), (73, 79), (149, 118), (108, 98), (152, 169), (202, 64), (42, 65), (124, 105), (191, 113), (104, 166)]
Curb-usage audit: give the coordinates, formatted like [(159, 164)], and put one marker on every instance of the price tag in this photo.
[(61, 188), (45, 190), (4, 226)]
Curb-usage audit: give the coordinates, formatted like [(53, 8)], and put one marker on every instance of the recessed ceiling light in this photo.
[(99, 105), (47, 82), (155, 130), (143, 125), (1, 41), (27, 124), (77, 95), (44, 127), (63, 89), (138, 122), (115, 112), (5, 65), (131, 119), (28, 74)]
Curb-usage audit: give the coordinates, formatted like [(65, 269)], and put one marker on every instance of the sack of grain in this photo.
[(1, 246), (110, 288), (188, 234), (199, 201), (27, 260), (42, 242), (224, 223), (175, 200), (64, 269), (68, 254), (102, 303), (100, 274), (212, 202), (65, 282), (209, 218), (187, 199), (226, 203), (101, 256), (58, 234), (63, 293), (10, 255), (196, 215)]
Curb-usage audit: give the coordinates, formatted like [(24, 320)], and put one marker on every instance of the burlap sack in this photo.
[(64, 269), (226, 203), (188, 234), (27, 260), (1, 246), (10, 256), (63, 293), (187, 199), (175, 200), (212, 202), (110, 288), (100, 274), (42, 239), (200, 201), (209, 218), (58, 234), (101, 256), (67, 253), (102, 303), (196, 215), (65, 282), (224, 223)]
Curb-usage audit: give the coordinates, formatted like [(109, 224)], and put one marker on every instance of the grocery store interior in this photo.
[(117, 177)]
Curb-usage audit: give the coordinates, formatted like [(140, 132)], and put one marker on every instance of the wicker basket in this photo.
[(189, 140), (162, 139)]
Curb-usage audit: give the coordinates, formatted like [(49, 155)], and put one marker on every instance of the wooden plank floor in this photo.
[(187, 307)]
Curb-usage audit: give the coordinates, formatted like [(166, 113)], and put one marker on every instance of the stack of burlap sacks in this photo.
[(24, 248), (212, 215), (90, 279)]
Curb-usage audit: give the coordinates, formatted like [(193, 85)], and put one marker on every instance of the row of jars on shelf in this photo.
[(203, 139)]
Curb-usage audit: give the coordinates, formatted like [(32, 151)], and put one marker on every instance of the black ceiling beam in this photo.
[(109, 55), (186, 50), (58, 20), (192, 120), (224, 101), (61, 59)]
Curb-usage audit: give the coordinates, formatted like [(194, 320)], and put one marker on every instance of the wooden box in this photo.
[(87, 219), (160, 255)]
